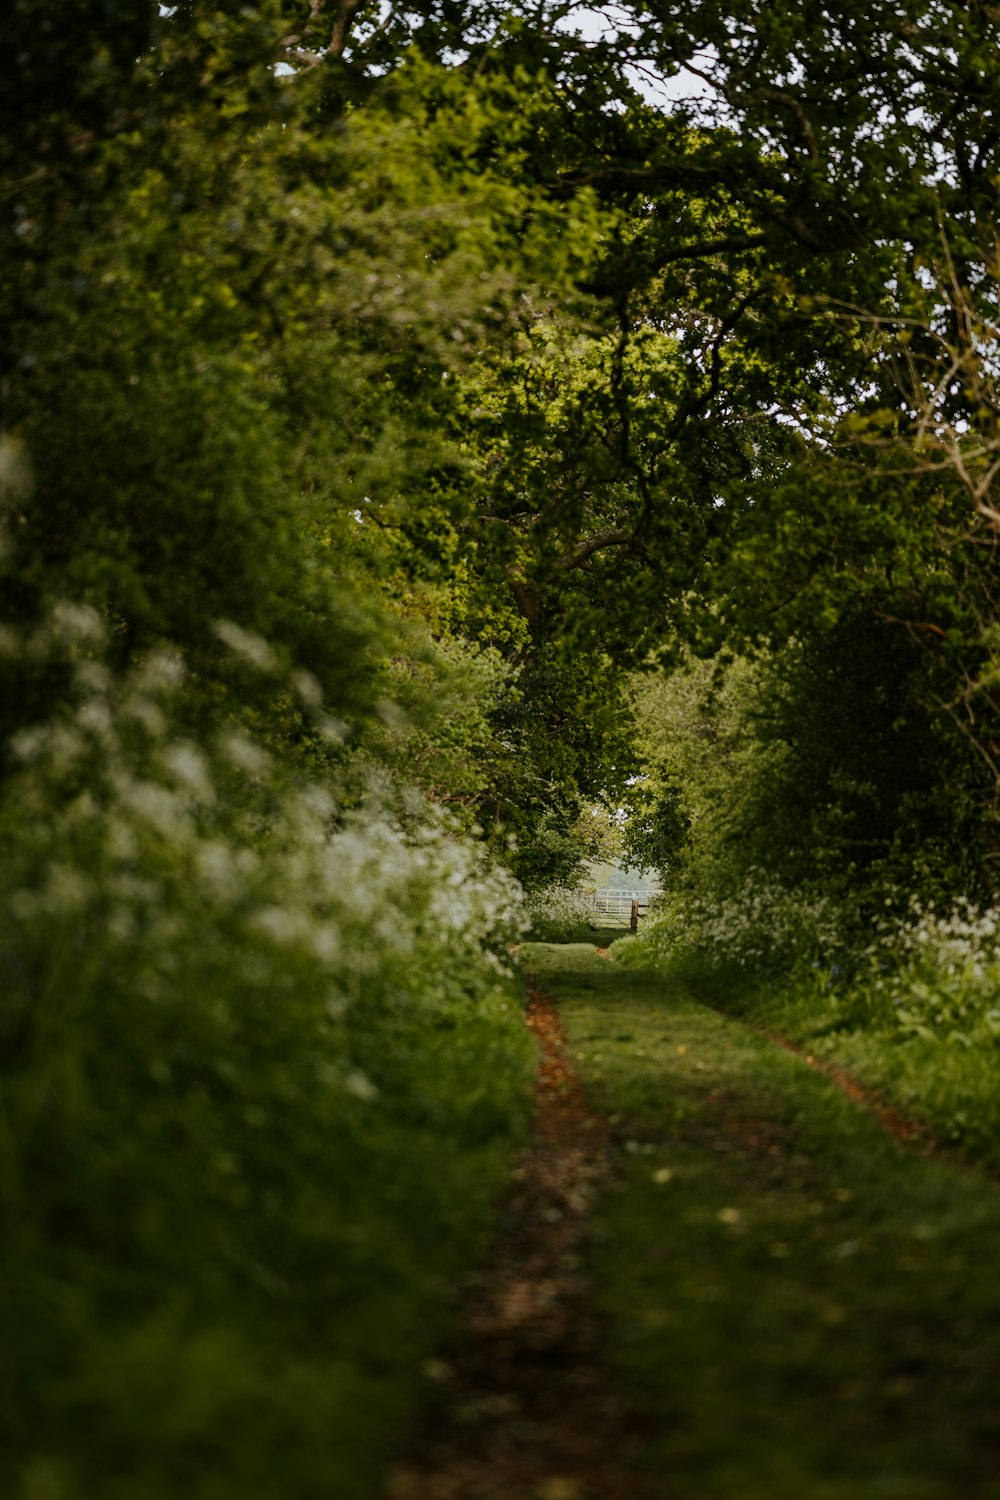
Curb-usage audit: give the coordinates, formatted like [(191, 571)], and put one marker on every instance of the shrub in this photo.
[(761, 926), (258, 1083), (558, 913), (936, 975), (926, 974)]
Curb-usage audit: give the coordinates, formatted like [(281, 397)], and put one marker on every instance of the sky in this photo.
[(593, 24)]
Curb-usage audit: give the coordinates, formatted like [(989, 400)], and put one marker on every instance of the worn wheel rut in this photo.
[(524, 1408)]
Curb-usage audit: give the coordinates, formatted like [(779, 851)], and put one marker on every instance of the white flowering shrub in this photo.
[(259, 1060), (762, 927), (931, 974), (558, 913), (936, 974)]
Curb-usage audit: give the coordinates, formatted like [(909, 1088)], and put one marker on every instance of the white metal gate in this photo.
[(618, 903)]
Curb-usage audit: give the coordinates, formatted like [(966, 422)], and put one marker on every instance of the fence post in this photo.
[(634, 920)]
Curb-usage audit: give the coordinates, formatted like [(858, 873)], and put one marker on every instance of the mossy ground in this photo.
[(801, 1307)]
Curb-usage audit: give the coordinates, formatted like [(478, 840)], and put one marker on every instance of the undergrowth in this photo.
[(560, 914), (259, 1085)]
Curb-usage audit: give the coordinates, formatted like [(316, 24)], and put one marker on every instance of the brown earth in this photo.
[(524, 1408)]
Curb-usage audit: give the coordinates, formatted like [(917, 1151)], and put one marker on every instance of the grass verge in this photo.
[(225, 1287), (947, 1082), (803, 1309)]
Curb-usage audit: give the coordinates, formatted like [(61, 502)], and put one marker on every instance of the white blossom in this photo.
[(188, 766), (77, 624), (243, 755), (307, 687), (251, 648)]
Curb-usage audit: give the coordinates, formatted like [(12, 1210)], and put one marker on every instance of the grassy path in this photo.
[(524, 1407), (801, 1307)]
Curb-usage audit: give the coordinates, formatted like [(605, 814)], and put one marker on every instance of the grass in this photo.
[(179, 1323), (801, 1308), (601, 933), (947, 1083)]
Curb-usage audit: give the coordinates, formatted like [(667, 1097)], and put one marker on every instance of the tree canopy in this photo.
[(621, 327)]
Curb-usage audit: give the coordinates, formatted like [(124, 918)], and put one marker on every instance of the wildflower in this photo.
[(146, 713), (308, 688), (161, 672), (76, 624), (250, 648), (29, 744), (243, 755), (359, 1086), (188, 766)]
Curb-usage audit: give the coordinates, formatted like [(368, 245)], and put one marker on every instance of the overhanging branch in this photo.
[(619, 537)]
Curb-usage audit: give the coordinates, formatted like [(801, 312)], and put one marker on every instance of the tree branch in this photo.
[(910, 624), (619, 537), (730, 243), (342, 26), (768, 95), (308, 57)]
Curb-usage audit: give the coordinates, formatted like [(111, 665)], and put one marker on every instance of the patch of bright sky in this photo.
[(611, 22)]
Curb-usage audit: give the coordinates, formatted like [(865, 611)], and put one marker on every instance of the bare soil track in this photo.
[(524, 1408)]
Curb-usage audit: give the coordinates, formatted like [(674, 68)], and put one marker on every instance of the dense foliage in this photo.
[(223, 1024), (387, 395)]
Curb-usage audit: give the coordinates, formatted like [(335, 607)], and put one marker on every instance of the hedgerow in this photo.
[(261, 1064)]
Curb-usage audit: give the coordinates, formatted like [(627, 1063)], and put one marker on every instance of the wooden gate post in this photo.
[(634, 920)]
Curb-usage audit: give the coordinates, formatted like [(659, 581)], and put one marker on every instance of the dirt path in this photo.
[(525, 1410)]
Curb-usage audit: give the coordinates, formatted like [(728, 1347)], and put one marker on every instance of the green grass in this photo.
[(949, 1085), (177, 1323), (802, 1309), (602, 933)]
